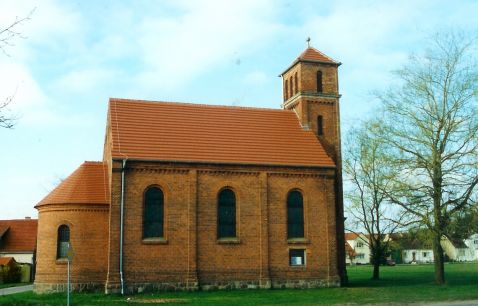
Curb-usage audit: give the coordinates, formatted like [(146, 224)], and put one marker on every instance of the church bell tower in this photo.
[(311, 90)]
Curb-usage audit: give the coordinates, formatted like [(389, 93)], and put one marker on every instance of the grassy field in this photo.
[(403, 283)]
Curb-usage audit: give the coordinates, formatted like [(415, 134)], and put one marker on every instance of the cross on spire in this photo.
[(308, 42)]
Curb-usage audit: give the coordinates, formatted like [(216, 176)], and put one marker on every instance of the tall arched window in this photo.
[(153, 213), (319, 81), (291, 86), (295, 215), (320, 125), (286, 87), (226, 214), (63, 241), (296, 83)]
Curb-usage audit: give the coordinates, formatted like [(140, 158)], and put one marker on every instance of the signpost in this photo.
[(69, 255)]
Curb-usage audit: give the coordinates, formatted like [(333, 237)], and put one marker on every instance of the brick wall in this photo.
[(88, 236), (190, 254)]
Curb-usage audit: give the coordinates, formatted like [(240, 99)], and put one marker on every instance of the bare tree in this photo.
[(8, 34), (430, 123), (369, 173)]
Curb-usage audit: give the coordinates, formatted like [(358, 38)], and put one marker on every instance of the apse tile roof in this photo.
[(148, 130), (20, 237), (87, 185)]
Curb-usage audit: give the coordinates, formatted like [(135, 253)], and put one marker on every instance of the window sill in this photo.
[(61, 261), (229, 240), (298, 241), (159, 240), (297, 267)]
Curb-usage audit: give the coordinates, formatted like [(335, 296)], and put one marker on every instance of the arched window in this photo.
[(291, 87), (320, 125), (226, 214), (296, 83), (63, 241), (319, 81), (295, 215), (153, 213), (286, 86)]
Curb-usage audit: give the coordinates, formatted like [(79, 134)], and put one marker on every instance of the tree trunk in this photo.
[(438, 259), (376, 270)]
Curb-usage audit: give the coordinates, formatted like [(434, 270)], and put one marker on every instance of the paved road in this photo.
[(457, 303), (18, 289)]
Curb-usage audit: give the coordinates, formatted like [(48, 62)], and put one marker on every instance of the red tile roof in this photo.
[(6, 261), (150, 130), (87, 185), (312, 55), (20, 237), (351, 236)]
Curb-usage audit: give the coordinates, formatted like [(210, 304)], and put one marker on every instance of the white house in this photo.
[(418, 255), (472, 243), (457, 250), (359, 244)]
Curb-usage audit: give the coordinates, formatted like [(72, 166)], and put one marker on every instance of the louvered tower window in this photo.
[(319, 81)]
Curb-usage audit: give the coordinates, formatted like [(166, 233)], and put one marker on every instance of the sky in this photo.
[(73, 56)]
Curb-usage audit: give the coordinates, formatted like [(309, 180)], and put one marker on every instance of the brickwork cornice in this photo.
[(301, 175), (228, 172)]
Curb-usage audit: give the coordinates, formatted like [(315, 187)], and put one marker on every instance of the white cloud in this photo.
[(78, 81), (177, 49), (256, 78)]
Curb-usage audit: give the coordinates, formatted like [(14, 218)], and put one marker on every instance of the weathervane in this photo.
[(308, 42)]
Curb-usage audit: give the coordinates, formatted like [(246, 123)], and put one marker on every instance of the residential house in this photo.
[(360, 245), (456, 249), (18, 239), (472, 243)]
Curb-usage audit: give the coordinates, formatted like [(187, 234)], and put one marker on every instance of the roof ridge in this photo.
[(197, 104)]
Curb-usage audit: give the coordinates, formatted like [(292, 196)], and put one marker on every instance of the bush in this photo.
[(11, 274)]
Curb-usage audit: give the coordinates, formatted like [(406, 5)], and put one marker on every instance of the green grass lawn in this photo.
[(403, 283)]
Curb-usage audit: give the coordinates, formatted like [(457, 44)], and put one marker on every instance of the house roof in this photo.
[(351, 236), (349, 250), (20, 237), (6, 261), (166, 131), (86, 185)]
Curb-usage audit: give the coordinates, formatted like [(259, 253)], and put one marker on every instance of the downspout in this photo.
[(122, 226)]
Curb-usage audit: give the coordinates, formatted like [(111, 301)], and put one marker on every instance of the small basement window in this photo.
[(297, 257)]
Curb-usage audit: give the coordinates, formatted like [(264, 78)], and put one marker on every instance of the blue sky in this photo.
[(77, 54)]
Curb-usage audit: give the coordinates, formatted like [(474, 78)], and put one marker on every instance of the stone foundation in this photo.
[(305, 283), (76, 287)]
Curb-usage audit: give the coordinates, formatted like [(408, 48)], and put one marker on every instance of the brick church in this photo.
[(192, 196)]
